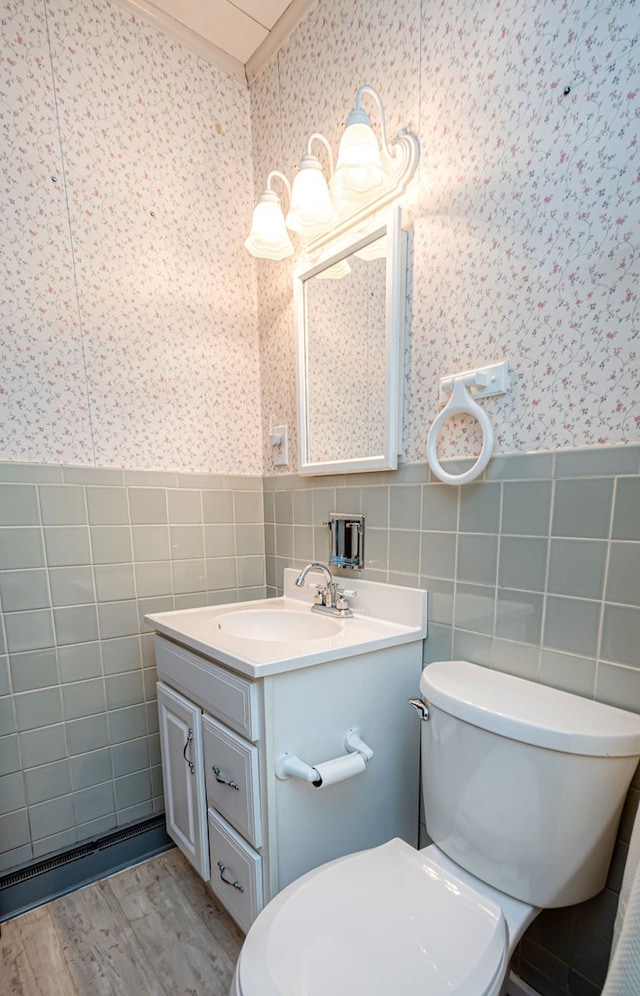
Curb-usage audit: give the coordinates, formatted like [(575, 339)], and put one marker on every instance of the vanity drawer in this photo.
[(224, 694), (236, 872), (232, 778)]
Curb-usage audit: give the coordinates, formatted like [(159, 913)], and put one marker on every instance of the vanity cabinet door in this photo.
[(183, 776)]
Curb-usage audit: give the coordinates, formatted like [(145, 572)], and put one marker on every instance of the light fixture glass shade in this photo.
[(359, 171), (268, 238), (311, 211)]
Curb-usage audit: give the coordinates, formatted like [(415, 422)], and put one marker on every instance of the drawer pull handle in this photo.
[(192, 766), (228, 881), (224, 781)]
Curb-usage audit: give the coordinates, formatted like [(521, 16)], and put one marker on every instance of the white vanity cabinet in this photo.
[(260, 831)]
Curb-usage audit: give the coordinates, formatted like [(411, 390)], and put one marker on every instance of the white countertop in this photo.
[(383, 616)]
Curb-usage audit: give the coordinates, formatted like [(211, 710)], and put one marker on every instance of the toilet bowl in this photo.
[(523, 788), (380, 922)]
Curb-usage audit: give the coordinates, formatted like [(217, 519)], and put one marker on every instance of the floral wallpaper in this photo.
[(130, 329), (127, 334), (44, 412), (524, 213)]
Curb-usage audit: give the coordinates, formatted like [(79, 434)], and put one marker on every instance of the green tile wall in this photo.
[(533, 570), (84, 554)]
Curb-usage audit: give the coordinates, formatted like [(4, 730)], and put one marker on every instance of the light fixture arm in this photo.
[(358, 114), (276, 173), (401, 158), (320, 138)]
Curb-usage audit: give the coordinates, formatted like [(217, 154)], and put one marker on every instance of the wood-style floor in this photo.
[(152, 930)]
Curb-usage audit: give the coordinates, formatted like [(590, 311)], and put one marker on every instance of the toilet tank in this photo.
[(524, 784)]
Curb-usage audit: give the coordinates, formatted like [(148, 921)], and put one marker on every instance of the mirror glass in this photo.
[(349, 313)]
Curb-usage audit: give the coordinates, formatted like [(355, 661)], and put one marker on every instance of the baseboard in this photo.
[(34, 884), (514, 986)]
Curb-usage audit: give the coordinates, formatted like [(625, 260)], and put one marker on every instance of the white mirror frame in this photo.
[(393, 348)]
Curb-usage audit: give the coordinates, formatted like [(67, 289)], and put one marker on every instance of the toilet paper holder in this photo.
[(327, 772)]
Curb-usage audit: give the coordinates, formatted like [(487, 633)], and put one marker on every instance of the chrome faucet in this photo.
[(300, 580), (329, 598)]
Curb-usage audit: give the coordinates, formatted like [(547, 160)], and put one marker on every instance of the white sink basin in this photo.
[(277, 624), (273, 635)]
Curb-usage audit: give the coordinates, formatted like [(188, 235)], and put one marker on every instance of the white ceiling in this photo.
[(238, 36)]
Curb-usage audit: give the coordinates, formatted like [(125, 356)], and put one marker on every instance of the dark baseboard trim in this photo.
[(39, 882)]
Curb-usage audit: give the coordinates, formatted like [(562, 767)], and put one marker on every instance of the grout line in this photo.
[(494, 635), (99, 640), (545, 593), (605, 582), (454, 595)]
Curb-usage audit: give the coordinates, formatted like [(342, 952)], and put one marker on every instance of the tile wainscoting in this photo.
[(533, 570), (85, 553)]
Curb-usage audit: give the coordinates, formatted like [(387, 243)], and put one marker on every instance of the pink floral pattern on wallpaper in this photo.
[(129, 320), (526, 244), (156, 150), (43, 400), (524, 215)]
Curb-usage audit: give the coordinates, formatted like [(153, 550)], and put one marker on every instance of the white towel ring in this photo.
[(461, 402)]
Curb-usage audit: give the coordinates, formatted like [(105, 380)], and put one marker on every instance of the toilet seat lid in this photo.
[(383, 921)]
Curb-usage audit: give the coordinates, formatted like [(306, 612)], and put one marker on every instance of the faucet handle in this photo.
[(343, 596), (320, 593)]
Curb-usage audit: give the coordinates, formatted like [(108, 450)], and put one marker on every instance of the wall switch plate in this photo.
[(281, 449)]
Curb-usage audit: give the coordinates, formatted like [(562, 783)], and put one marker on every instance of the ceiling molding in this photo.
[(278, 35), (168, 25)]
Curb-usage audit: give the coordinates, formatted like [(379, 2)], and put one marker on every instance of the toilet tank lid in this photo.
[(529, 712)]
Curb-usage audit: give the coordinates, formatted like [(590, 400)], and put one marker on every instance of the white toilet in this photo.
[(523, 787)]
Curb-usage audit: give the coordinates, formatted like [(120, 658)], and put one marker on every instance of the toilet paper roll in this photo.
[(338, 769)]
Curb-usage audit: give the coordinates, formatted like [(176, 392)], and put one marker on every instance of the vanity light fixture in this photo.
[(359, 171), (268, 237), (366, 179), (311, 211)]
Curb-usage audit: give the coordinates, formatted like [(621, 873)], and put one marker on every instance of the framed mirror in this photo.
[(349, 325)]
